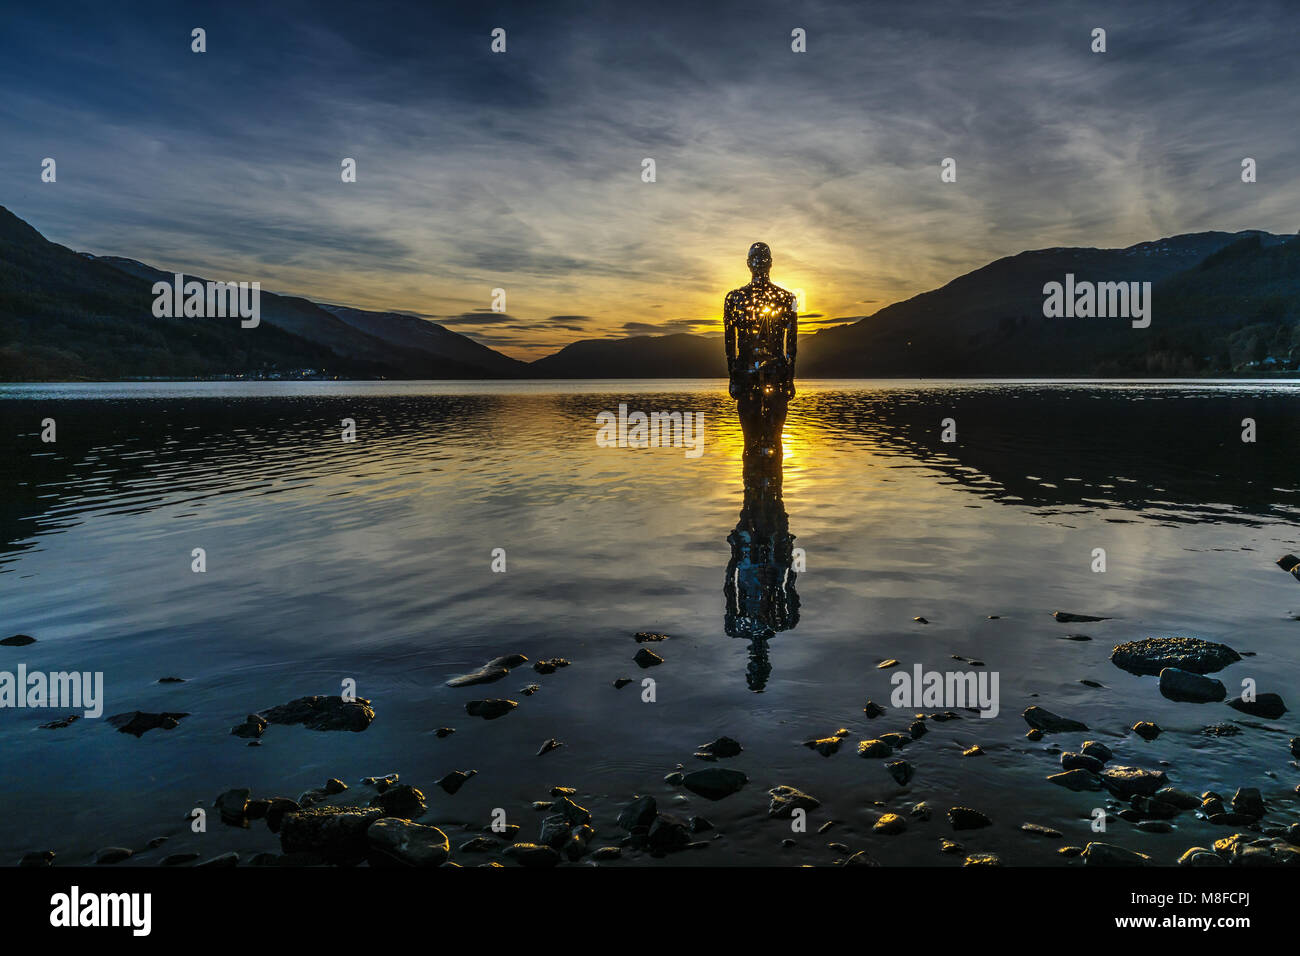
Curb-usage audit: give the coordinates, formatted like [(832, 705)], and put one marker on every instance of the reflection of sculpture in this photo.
[(759, 587), (761, 324)]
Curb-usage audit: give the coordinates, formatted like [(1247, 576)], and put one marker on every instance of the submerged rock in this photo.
[(1188, 687), (1151, 655), (402, 800), (37, 858), (873, 710), (722, 747), (1049, 723), (1107, 854), (644, 637), (1077, 780), (874, 749), (490, 709), (18, 640), (1269, 706), (715, 782), (252, 727), (397, 842), (484, 675), (337, 834), (138, 723), (1073, 761), (113, 854), (1146, 729), (1096, 750), (622, 682), (901, 771), (786, 799), (549, 667), (824, 745), (964, 818), (1065, 617), (321, 712), (549, 745), (639, 813), (533, 855), (1037, 829), (454, 780)]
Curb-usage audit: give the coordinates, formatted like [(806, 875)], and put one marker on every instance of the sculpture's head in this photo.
[(759, 260)]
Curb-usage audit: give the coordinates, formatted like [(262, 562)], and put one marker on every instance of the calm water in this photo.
[(372, 561)]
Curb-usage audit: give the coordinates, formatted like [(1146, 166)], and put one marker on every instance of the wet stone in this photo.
[(1268, 706), (787, 799), (1151, 655), (647, 658), (490, 709), (138, 722), (454, 780), (1188, 687), (396, 842), (1049, 723), (322, 712), (715, 782), (965, 818)]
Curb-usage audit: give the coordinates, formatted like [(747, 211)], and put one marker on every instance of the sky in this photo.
[(523, 170)]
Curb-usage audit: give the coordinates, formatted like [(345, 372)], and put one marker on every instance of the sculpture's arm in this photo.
[(791, 330)]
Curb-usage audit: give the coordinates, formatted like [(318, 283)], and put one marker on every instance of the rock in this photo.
[(873, 710), (490, 709), (112, 854), (973, 751), (1200, 856), (1073, 761), (322, 712), (701, 825), (255, 810), (639, 813), (1107, 854), (1070, 851), (1188, 687), (1151, 655), (786, 799), (220, 862), (530, 689), (1155, 826), (620, 683), (549, 667), (1096, 750), (277, 808), (890, 823), (901, 771), (393, 841), (575, 848), (442, 732), (232, 806), (1050, 723), (1036, 829), (1180, 799), (507, 660), (1295, 746), (951, 846), (1077, 780), (921, 810), (1265, 852), (606, 853), (1268, 706), (1127, 781), (824, 745), (1065, 617), (644, 637), (1250, 801), (917, 729), (381, 783), (253, 726), (138, 723), (1146, 729), (549, 745), (400, 801), (982, 859), (37, 858), (61, 723), (454, 780), (920, 620), (171, 680), (715, 783), (647, 658), (885, 665), (176, 859), (722, 747), (484, 675), (667, 833), (1033, 733), (18, 640), (874, 749), (896, 741), (337, 834), (861, 858), (572, 813), (555, 831), (674, 778), (477, 844), (964, 818)]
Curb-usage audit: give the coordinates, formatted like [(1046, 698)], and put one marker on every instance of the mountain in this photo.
[(990, 322), (412, 333), (71, 316), (680, 355)]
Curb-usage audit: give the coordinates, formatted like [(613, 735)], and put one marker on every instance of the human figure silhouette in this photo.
[(761, 323)]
